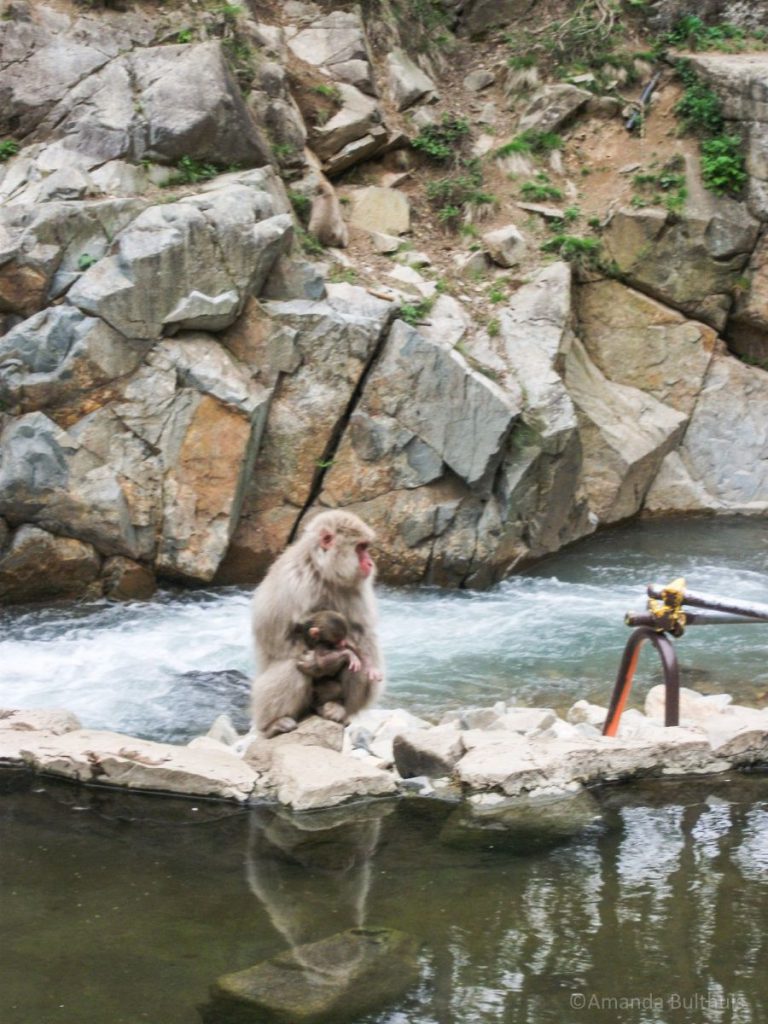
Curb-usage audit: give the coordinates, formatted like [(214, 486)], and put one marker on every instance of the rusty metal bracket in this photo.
[(623, 685)]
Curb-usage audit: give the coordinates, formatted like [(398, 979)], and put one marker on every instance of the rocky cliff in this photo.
[(401, 256)]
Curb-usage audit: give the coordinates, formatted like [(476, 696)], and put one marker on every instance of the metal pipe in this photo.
[(666, 651), (695, 599), (702, 618)]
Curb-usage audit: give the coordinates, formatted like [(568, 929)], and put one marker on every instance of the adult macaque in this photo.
[(328, 567)]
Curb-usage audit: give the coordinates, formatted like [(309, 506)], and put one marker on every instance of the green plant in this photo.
[(311, 245), (342, 275), (283, 151), (453, 195), (722, 165), (442, 142), (493, 327), (189, 171), (540, 189), (496, 294), (594, 222), (8, 148), (699, 108), (414, 312), (530, 142), (330, 92), (522, 62), (85, 261), (302, 206), (573, 248), (185, 35), (571, 214), (692, 33)]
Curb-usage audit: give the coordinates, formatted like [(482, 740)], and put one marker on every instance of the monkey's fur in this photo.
[(328, 567)]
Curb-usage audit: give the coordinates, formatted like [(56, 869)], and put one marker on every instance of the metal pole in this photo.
[(623, 685), (702, 618), (695, 599)]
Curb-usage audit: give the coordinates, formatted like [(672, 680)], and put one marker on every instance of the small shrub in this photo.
[(85, 261), (453, 195), (530, 142), (540, 189), (342, 275), (302, 206), (311, 245), (189, 171), (8, 148), (573, 248), (330, 92), (443, 142), (185, 35), (414, 312), (493, 327), (692, 33), (722, 165), (699, 108)]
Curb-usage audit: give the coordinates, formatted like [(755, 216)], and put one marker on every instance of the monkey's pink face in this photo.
[(364, 559)]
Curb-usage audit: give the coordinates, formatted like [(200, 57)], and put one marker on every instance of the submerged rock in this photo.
[(521, 826), (336, 979)]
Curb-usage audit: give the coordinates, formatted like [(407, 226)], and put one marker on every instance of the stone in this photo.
[(305, 777), (38, 566), (625, 434), (748, 321), (553, 107), (506, 246), (475, 718), (478, 80), (164, 102), (522, 826), (471, 264), (337, 43), (368, 146), (431, 752), (126, 580), (186, 265), (357, 117), (448, 322), (385, 244), (636, 341), (295, 279), (584, 712), (341, 977), (322, 348), (478, 16), (383, 210), (690, 261), (406, 81), (58, 354), (524, 720), (112, 759), (56, 721), (720, 465)]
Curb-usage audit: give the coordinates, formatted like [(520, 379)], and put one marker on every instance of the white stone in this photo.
[(308, 777), (54, 720), (506, 246), (380, 209)]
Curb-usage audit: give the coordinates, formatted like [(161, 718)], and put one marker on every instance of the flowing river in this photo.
[(121, 909)]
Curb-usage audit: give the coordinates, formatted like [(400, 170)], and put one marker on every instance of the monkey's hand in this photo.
[(353, 661), (372, 674), (334, 711)]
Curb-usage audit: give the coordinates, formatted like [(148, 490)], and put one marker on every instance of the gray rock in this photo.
[(476, 81), (431, 752), (59, 354), (478, 16), (365, 148), (384, 210), (112, 759), (341, 977), (37, 566), (625, 434), (407, 82), (164, 102), (53, 720), (305, 777), (506, 246), (553, 107), (337, 43), (357, 117), (189, 264), (521, 826), (295, 279)]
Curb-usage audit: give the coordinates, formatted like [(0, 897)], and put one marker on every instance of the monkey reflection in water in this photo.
[(312, 873)]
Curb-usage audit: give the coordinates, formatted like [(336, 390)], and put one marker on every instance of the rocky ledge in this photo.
[(487, 755)]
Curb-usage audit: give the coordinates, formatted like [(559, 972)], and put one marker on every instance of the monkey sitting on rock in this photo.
[(329, 650), (329, 566)]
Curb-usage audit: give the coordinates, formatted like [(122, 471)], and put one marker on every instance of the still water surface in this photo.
[(120, 909)]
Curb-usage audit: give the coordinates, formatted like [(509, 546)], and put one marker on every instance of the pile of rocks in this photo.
[(484, 754)]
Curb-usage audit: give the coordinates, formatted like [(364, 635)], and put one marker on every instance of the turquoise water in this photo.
[(166, 668)]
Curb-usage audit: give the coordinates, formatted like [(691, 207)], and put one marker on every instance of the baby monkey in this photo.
[(329, 650)]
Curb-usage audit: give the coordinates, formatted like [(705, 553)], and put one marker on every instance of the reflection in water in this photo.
[(127, 909)]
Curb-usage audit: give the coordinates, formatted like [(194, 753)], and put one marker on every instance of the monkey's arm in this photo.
[(319, 663)]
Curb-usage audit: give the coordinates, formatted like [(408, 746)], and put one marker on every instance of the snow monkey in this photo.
[(328, 567), (326, 635)]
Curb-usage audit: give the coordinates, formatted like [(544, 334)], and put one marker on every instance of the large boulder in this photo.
[(722, 464), (44, 249), (407, 82), (37, 566), (188, 265), (162, 102), (320, 350), (553, 107), (692, 261), (337, 44), (358, 116)]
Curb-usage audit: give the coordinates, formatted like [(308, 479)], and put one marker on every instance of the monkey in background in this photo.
[(328, 567), (326, 635)]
